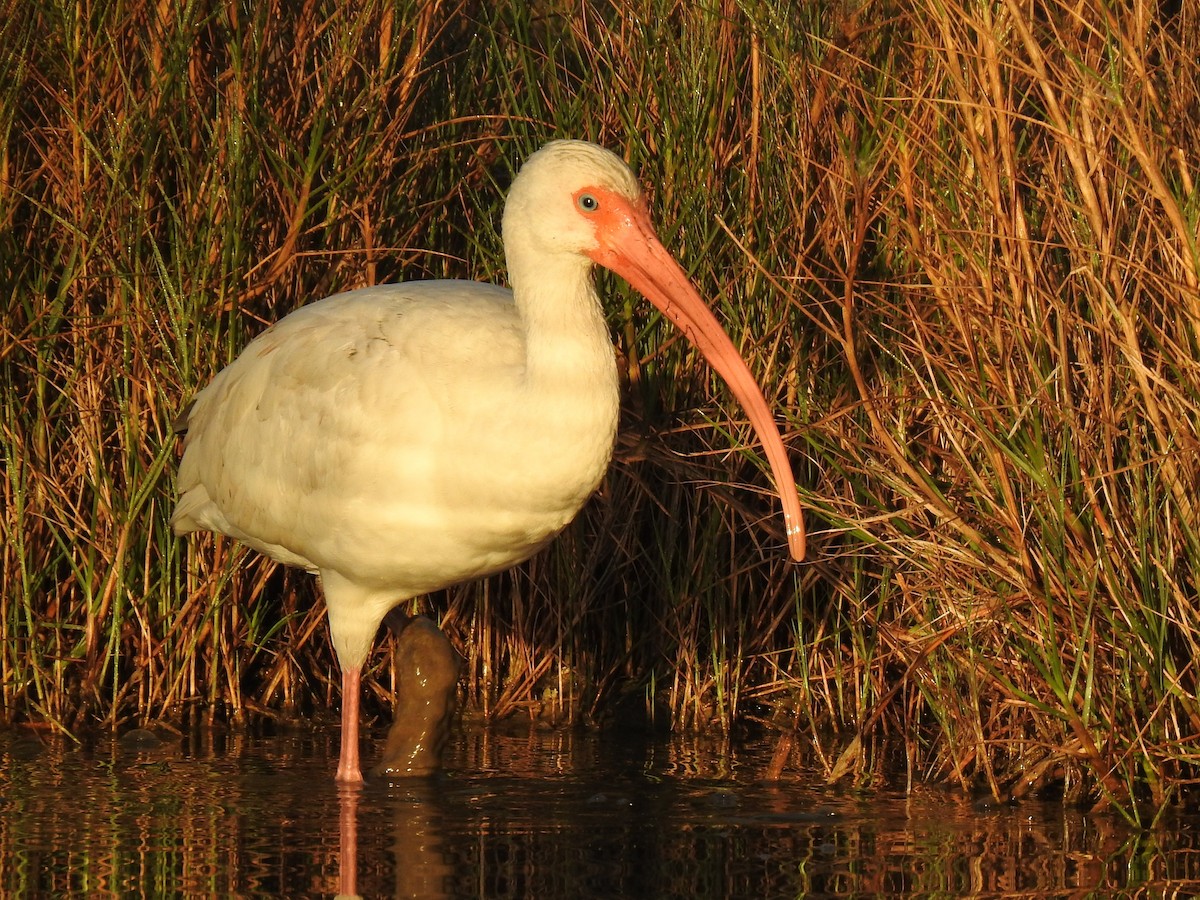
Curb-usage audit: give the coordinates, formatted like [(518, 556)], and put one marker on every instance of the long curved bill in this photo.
[(630, 247)]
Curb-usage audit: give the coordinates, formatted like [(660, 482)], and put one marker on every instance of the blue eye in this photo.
[(587, 202)]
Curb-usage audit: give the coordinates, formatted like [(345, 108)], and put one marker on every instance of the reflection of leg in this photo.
[(348, 795), (427, 668)]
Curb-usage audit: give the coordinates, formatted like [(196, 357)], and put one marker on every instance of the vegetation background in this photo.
[(958, 241)]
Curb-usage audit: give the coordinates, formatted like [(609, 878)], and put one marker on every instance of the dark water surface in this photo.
[(540, 814)]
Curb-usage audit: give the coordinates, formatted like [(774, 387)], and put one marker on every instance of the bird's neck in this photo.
[(570, 376), (566, 333)]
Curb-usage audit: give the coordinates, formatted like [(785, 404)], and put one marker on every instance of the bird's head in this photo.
[(575, 204), (571, 198)]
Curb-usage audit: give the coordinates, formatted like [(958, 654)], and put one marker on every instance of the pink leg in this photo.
[(348, 771)]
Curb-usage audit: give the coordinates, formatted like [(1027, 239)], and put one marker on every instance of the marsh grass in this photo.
[(958, 242)]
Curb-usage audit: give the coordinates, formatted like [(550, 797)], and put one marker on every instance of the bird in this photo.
[(401, 438)]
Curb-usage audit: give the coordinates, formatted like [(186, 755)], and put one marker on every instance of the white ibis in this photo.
[(401, 438)]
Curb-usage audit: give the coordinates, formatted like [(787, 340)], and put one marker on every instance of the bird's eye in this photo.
[(587, 202)]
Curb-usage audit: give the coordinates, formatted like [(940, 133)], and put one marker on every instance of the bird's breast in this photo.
[(492, 478)]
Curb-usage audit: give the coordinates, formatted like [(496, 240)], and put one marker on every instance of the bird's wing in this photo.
[(338, 411)]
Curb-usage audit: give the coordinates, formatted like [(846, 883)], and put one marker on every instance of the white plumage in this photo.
[(402, 438)]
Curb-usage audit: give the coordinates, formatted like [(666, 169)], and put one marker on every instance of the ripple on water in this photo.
[(547, 814)]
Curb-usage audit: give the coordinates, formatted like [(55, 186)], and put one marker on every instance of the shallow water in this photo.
[(538, 814)]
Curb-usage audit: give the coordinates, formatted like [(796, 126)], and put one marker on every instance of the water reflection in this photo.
[(530, 814)]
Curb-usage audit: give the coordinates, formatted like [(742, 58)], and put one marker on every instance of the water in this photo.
[(533, 814)]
